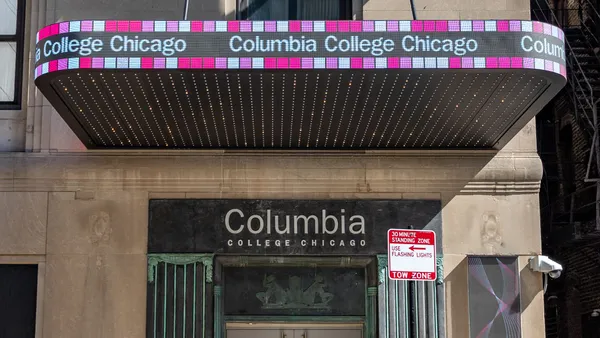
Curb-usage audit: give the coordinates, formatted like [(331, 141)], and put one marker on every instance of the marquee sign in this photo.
[(301, 85), (303, 44), (283, 226)]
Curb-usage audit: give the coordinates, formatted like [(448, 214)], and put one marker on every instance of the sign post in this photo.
[(411, 255)]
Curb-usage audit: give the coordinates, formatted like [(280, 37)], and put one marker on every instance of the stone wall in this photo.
[(83, 215), (86, 215)]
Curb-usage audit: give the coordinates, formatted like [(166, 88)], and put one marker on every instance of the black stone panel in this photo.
[(18, 294), (198, 226), (294, 291)]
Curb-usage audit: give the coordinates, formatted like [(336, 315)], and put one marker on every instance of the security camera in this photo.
[(544, 264)]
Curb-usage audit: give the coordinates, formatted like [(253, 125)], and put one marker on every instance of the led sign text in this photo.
[(301, 44), (542, 46), (457, 46), (118, 43), (375, 47)]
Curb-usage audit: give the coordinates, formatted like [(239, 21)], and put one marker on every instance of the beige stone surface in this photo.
[(464, 6), (173, 195), (484, 224), (202, 172), (62, 10), (495, 14), (12, 134), (382, 5), (95, 296), (517, 5), (61, 136), (435, 5), (524, 141), (479, 5), (448, 14), (112, 222), (7, 171), (532, 301), (457, 295), (303, 195), (23, 223), (387, 15)]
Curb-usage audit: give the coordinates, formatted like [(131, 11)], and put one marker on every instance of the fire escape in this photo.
[(569, 146), (578, 106)]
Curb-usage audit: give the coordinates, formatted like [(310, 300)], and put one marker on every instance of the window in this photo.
[(12, 25), (294, 9), (494, 293), (18, 296)]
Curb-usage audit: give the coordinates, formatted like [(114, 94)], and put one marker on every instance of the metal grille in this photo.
[(409, 309), (177, 295)]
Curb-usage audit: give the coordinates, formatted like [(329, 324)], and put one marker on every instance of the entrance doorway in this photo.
[(295, 297), (296, 330)]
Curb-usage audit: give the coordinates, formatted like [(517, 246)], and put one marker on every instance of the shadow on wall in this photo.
[(484, 286), (158, 10), (457, 300), (144, 10), (530, 282)]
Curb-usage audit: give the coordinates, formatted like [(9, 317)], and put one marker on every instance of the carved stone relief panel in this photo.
[(294, 291)]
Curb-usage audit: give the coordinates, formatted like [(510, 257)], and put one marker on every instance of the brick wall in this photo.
[(584, 264), (581, 146), (578, 291)]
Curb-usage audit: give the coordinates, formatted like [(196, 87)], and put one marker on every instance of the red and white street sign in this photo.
[(411, 255)]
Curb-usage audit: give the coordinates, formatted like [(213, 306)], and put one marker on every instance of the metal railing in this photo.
[(573, 63), (572, 211), (582, 16), (579, 86), (576, 202)]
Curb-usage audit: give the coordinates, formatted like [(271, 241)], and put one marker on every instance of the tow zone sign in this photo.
[(411, 255)]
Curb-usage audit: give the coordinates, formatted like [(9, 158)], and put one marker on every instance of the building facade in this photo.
[(130, 210)]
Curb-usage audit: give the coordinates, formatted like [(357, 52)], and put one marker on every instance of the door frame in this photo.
[(368, 322), (298, 325), (294, 325)]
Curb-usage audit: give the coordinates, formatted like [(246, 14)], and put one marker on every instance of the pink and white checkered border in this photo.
[(301, 26), (300, 63)]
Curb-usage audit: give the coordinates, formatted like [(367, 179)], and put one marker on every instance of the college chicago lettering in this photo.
[(118, 44), (236, 223), (333, 44), (238, 44)]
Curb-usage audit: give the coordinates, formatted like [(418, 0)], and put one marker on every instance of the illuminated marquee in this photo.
[(247, 44), (299, 84)]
